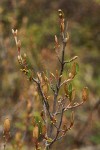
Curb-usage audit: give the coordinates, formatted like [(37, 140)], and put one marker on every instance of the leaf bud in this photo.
[(35, 132), (6, 125)]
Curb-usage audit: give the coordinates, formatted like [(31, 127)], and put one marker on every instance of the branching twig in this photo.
[(71, 107)]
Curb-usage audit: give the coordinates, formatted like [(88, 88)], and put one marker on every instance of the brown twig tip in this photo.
[(61, 14), (14, 32)]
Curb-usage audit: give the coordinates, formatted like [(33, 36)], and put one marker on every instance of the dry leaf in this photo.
[(85, 94), (35, 132)]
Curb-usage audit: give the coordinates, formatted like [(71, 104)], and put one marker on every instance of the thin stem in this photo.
[(60, 77), (71, 107), (44, 99), (75, 57), (58, 84), (66, 81), (4, 145), (58, 129), (46, 122)]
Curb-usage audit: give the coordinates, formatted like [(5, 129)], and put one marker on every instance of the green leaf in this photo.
[(70, 91), (70, 88), (77, 68), (49, 140), (29, 73)]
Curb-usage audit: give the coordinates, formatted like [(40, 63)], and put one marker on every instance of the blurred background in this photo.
[(37, 22)]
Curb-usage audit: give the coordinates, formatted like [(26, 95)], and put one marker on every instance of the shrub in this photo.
[(50, 127)]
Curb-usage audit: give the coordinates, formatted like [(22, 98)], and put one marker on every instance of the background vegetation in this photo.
[(37, 22)]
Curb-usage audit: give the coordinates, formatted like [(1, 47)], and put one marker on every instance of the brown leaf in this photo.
[(85, 94), (73, 94), (45, 89), (66, 89), (29, 106), (73, 71), (33, 121), (44, 130), (72, 119), (35, 132), (42, 115), (18, 137)]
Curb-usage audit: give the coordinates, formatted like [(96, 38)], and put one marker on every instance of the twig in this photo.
[(66, 81), (60, 77), (44, 99), (59, 59), (75, 57), (52, 88), (70, 107)]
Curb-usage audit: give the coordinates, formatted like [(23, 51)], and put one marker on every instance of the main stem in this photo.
[(58, 84), (60, 77)]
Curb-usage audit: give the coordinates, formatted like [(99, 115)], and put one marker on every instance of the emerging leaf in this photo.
[(77, 68), (70, 87), (70, 92)]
